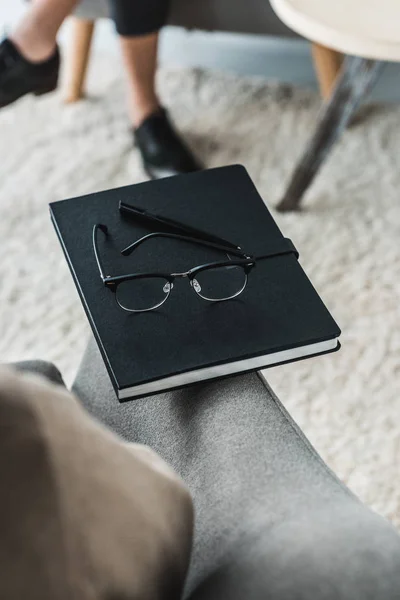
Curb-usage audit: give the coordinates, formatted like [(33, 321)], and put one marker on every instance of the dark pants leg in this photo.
[(272, 521), (139, 17)]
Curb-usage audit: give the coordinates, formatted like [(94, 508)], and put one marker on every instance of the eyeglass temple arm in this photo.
[(104, 229), (129, 249)]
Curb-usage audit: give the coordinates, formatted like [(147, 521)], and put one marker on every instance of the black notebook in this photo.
[(279, 317)]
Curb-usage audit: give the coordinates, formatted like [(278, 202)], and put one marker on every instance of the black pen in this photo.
[(141, 214)]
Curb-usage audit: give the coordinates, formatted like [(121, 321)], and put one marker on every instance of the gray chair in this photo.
[(240, 16)]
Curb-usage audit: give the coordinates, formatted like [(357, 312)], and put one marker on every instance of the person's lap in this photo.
[(272, 521)]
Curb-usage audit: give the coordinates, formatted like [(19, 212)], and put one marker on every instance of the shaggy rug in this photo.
[(348, 237)]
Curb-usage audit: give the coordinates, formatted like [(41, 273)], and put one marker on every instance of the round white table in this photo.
[(368, 32)]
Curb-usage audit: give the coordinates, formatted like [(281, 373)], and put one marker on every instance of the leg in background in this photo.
[(354, 82), (327, 63), (77, 61), (35, 36), (163, 151), (140, 58), (138, 24), (272, 521), (29, 57)]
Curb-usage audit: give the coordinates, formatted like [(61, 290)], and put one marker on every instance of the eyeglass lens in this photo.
[(215, 284), (220, 283), (144, 293)]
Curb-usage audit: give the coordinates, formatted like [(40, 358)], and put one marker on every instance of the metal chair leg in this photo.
[(353, 84)]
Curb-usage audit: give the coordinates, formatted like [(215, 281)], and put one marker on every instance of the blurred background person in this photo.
[(30, 64)]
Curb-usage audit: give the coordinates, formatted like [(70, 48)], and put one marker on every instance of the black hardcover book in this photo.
[(279, 317)]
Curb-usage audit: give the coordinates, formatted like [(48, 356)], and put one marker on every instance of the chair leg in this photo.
[(78, 58), (327, 63), (354, 82)]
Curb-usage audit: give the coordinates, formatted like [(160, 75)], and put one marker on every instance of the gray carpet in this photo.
[(348, 403)]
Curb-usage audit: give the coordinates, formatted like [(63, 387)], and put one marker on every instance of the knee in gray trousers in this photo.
[(272, 521), (41, 367)]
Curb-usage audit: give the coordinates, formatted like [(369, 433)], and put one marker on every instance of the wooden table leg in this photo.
[(354, 82), (78, 58), (327, 63)]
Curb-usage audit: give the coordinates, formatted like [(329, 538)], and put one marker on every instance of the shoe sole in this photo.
[(48, 89)]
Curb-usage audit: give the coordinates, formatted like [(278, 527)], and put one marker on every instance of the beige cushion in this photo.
[(363, 28), (82, 514)]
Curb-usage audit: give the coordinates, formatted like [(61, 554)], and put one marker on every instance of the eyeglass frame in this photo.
[(246, 261)]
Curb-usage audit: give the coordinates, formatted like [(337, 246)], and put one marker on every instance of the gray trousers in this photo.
[(272, 521)]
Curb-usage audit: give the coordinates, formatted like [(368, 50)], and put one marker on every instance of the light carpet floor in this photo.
[(348, 403)]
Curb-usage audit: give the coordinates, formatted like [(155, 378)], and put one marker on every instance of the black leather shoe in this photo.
[(19, 76), (163, 152)]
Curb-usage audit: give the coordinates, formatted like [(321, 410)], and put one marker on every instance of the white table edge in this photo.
[(336, 40)]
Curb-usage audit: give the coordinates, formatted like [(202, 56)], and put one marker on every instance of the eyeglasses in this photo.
[(143, 292)]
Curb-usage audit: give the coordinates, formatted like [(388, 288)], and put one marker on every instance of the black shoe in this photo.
[(163, 152), (19, 76)]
